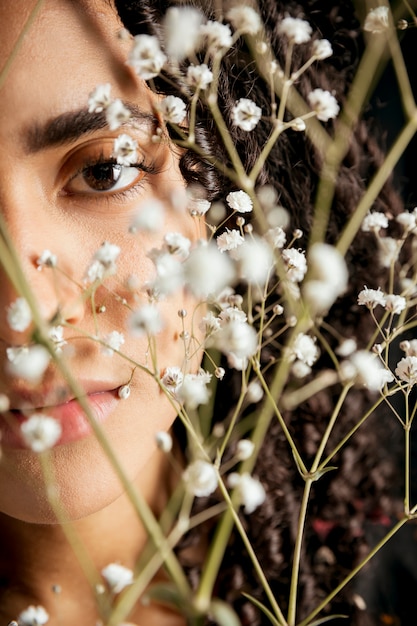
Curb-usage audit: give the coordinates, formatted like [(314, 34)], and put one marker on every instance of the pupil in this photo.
[(102, 176)]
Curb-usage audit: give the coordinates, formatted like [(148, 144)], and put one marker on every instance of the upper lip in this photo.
[(53, 394)]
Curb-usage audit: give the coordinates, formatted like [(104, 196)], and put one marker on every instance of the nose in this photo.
[(27, 272)]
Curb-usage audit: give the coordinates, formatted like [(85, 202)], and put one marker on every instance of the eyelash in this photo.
[(102, 159)]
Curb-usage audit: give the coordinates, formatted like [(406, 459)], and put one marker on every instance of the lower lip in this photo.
[(73, 421)]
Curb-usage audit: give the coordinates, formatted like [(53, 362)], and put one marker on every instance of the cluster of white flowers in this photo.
[(103, 263), (33, 616), (251, 491), (117, 576), (19, 315), (201, 478), (28, 362), (372, 298), (40, 432), (246, 114), (145, 321), (377, 20), (113, 341)]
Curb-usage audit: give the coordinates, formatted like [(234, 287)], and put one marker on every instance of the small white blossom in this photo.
[(40, 432), (163, 441), (254, 392), (246, 114), (304, 348), (33, 616), (207, 271), (407, 220), (237, 338), (199, 76), (377, 20), (172, 379), (173, 109), (296, 264), (209, 324), (218, 36), (406, 370), (201, 478), (409, 347), (254, 260), (103, 263), (117, 114), (371, 298), (389, 250), (239, 201), (19, 315), (328, 277), (149, 217), (146, 56), (298, 124), (369, 371), (56, 335), (124, 392), (181, 31), (244, 449), (244, 19), (300, 369), (276, 237), (295, 29), (346, 347), (145, 321), (322, 49), (125, 149), (177, 244), (232, 314), (251, 492), (197, 207), (47, 259), (395, 304), (229, 240), (114, 341), (99, 99), (28, 362), (324, 104), (193, 391), (117, 576), (374, 222)]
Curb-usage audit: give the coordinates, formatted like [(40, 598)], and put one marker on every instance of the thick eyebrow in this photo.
[(73, 125)]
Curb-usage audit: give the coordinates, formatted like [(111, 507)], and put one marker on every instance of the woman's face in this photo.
[(52, 198)]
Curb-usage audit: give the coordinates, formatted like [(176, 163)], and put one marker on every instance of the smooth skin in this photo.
[(48, 202)]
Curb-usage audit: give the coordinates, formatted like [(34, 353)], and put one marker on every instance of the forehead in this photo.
[(67, 49)]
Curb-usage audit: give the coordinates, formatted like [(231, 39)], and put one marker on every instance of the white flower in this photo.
[(199, 76), (369, 371), (244, 449), (145, 321), (304, 348), (47, 259), (374, 222), (296, 264), (197, 207), (237, 338), (295, 29), (114, 341), (251, 492), (99, 99), (125, 149), (181, 31), (244, 19), (19, 315), (40, 432), (298, 124), (173, 109), (33, 616), (322, 49), (407, 369), (239, 201), (163, 441), (232, 314), (177, 244), (29, 363), (172, 379), (409, 347), (169, 272), (207, 271), (371, 297), (300, 369), (389, 250), (407, 220), (229, 240), (117, 576), (254, 260), (246, 114), (395, 304), (209, 324), (218, 36), (276, 237), (324, 104), (146, 56), (117, 114), (377, 20), (56, 335), (346, 347), (149, 217), (103, 263), (254, 392), (328, 277), (193, 391), (201, 478)]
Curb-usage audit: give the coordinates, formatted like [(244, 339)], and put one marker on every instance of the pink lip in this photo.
[(74, 422)]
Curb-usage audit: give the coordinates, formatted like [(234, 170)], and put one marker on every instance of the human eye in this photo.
[(105, 176)]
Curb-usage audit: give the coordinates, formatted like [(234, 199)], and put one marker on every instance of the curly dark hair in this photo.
[(348, 500)]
